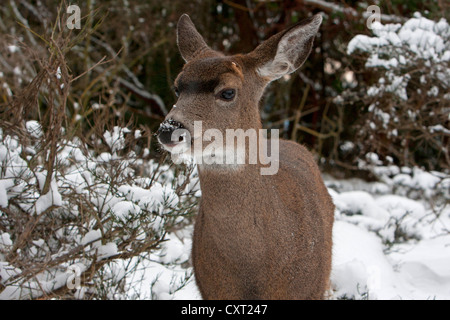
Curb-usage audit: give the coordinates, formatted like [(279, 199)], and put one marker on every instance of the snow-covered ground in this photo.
[(389, 246)]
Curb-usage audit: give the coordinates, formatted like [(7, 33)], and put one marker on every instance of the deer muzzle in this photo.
[(171, 133)]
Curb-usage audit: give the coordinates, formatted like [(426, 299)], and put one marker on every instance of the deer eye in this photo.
[(177, 92), (227, 94)]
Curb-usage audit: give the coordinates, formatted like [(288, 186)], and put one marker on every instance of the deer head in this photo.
[(223, 92)]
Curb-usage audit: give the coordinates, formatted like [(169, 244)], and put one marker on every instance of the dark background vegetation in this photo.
[(138, 40)]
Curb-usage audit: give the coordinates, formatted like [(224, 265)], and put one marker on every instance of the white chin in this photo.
[(180, 153), (179, 158), (181, 147)]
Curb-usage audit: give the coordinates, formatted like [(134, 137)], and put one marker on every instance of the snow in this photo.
[(44, 282), (436, 128), (91, 236), (5, 240), (425, 37), (13, 48), (155, 199), (396, 47), (425, 267), (424, 180), (387, 245), (34, 128), (108, 250), (391, 237), (174, 250), (4, 185), (115, 139), (359, 265), (58, 73), (139, 210), (124, 209), (51, 198), (3, 152)]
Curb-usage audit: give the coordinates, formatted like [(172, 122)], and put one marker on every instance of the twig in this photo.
[(299, 112), (100, 62), (336, 8)]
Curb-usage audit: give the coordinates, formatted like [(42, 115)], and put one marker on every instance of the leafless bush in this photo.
[(405, 119), (78, 193)]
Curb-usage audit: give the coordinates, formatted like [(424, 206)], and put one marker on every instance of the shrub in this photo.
[(79, 195), (406, 120)]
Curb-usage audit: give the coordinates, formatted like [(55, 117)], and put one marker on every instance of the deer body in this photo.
[(262, 238), (256, 236)]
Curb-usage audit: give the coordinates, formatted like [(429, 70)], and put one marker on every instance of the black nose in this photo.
[(166, 132)]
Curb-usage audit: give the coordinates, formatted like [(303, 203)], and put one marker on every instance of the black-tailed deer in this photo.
[(257, 235)]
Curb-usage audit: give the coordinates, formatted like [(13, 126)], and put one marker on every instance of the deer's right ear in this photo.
[(190, 42)]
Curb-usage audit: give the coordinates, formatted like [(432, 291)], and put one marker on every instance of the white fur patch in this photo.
[(289, 48), (276, 69)]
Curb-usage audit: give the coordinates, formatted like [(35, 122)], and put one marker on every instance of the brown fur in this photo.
[(256, 236)]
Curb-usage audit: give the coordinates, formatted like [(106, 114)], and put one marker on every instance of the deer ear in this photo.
[(286, 51), (190, 42)]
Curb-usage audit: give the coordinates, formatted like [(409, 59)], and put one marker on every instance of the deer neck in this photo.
[(230, 187), (246, 154), (213, 174)]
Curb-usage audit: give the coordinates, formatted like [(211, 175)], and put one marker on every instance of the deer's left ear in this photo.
[(286, 51)]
